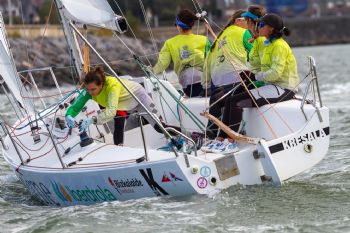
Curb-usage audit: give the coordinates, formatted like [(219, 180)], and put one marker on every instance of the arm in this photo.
[(164, 59), (248, 46), (278, 64), (112, 106), (254, 63), (78, 104)]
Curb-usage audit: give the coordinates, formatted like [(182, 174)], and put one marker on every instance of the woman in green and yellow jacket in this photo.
[(227, 58), (110, 94)]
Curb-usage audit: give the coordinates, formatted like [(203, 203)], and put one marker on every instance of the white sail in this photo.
[(8, 70), (93, 12)]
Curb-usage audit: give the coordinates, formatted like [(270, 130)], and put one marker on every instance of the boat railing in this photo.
[(7, 133), (30, 72), (315, 90), (168, 129)]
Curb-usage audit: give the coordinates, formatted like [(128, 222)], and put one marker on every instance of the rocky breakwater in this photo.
[(54, 52)]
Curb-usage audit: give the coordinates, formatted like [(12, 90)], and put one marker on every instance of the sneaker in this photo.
[(231, 148), (209, 146), (220, 146)]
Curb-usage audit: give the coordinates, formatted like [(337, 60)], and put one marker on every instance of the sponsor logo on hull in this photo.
[(156, 188), (86, 194), (125, 186), (170, 177), (40, 191)]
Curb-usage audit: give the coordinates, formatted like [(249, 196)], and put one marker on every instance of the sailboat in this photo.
[(59, 168)]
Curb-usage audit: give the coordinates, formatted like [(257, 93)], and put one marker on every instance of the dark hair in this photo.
[(97, 76), (230, 22), (276, 22), (278, 34), (188, 17), (257, 10)]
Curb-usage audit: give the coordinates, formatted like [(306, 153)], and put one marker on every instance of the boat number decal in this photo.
[(291, 143), (152, 183), (125, 186), (202, 182), (205, 171)]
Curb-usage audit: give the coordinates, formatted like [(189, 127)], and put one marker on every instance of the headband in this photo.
[(250, 15), (181, 24)]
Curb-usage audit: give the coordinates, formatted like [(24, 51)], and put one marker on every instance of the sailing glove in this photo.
[(71, 123), (85, 124)]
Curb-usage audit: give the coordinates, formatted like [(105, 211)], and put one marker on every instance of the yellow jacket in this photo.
[(278, 65), (184, 51), (255, 55), (113, 97), (228, 49)]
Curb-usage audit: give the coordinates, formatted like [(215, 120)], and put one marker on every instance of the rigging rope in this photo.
[(133, 33), (148, 27)]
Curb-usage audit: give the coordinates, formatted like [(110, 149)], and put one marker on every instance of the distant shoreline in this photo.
[(305, 31)]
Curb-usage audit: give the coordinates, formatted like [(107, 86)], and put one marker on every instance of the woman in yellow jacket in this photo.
[(278, 70), (227, 58), (186, 51), (109, 93)]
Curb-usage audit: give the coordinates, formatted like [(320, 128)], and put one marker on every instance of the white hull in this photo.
[(108, 172)]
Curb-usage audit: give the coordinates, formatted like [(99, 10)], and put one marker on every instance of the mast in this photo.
[(71, 39)]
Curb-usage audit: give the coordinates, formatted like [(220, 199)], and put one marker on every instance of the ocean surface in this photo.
[(316, 201)]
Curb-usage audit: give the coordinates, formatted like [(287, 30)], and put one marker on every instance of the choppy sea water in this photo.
[(316, 201)]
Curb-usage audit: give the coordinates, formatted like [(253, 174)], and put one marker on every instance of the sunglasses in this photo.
[(261, 24)]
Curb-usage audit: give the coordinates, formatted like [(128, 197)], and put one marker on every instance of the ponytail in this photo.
[(278, 34), (286, 31), (230, 22)]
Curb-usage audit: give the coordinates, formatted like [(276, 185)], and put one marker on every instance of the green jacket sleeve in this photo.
[(109, 112), (207, 48), (164, 59), (247, 45), (278, 64), (79, 103)]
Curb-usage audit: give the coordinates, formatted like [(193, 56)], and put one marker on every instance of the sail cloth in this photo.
[(8, 70), (98, 13)]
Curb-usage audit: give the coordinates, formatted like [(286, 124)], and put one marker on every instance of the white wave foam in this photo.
[(335, 88)]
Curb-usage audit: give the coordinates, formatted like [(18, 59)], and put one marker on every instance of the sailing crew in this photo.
[(109, 93), (186, 50), (223, 65), (278, 70)]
